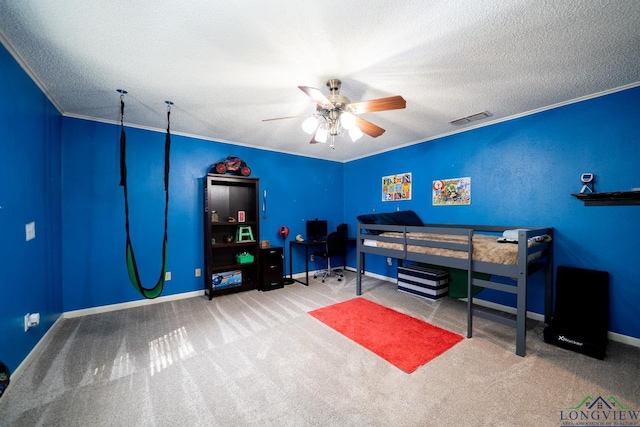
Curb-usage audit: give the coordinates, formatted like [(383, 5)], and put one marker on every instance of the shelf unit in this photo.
[(610, 198), (224, 198)]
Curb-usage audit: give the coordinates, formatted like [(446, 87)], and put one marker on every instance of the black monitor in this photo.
[(316, 229)]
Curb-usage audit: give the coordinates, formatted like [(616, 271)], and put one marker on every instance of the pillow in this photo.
[(392, 218)]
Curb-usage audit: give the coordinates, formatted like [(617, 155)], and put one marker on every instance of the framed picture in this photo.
[(241, 217), (396, 187), (452, 191)]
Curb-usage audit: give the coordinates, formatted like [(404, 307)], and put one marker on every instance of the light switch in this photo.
[(30, 230)]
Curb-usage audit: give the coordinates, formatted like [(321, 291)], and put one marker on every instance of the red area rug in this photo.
[(401, 340)]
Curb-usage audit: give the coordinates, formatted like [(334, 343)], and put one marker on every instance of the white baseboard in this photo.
[(376, 276), (613, 336), (113, 307), (39, 347), (86, 312), (625, 339), (130, 304), (505, 308)]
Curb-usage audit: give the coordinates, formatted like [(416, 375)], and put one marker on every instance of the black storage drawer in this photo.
[(272, 268)]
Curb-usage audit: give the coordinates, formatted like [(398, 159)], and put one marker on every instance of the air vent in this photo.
[(471, 118)]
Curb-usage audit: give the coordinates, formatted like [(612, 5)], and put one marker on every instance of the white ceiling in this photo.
[(229, 64)]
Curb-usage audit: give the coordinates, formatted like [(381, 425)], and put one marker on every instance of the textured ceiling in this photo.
[(228, 65)]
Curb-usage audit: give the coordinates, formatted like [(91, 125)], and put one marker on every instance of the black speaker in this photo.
[(581, 318)]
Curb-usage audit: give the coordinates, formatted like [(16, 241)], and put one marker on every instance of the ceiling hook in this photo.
[(169, 104), (122, 93)]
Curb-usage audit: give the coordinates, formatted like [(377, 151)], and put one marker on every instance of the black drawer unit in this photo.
[(272, 268)]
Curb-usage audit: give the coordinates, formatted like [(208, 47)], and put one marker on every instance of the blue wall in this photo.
[(522, 173), (63, 173), (93, 230), (30, 182)]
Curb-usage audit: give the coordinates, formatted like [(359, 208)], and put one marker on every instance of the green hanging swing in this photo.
[(132, 267)]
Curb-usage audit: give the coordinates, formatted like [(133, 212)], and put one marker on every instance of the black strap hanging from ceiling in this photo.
[(132, 267)]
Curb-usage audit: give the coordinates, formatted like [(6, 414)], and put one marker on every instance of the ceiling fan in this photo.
[(335, 113)]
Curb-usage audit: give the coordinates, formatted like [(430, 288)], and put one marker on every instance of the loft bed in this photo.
[(466, 247)]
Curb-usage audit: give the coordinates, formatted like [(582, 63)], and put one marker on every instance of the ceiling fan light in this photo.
[(321, 135), (348, 120), (355, 133), (309, 125)]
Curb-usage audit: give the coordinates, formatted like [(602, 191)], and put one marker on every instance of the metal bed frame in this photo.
[(520, 272)]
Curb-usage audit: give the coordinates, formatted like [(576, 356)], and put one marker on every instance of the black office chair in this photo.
[(336, 245)]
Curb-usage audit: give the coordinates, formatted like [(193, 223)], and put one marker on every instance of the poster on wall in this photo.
[(454, 191), (396, 187)]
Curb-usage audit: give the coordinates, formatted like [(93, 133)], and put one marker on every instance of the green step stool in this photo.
[(244, 233)]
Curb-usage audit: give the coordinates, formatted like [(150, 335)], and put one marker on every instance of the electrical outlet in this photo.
[(30, 231), (167, 276), (198, 272), (312, 258), (388, 261), (31, 320)]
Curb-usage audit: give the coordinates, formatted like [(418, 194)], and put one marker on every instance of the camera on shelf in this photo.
[(587, 182)]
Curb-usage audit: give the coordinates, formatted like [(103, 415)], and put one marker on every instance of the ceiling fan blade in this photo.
[(317, 96), (380, 104), (288, 117), (369, 128), (313, 138)]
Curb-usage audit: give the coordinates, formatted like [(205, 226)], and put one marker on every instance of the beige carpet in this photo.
[(258, 358)]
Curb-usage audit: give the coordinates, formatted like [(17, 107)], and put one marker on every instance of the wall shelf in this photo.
[(609, 199)]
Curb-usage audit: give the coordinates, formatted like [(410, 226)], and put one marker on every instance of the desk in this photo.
[(306, 245)]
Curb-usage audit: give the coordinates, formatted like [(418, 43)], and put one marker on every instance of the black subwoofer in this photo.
[(581, 318)]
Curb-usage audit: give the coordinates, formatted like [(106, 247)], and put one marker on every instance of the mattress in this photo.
[(486, 248)]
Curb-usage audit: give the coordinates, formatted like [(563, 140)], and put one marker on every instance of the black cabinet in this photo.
[(272, 268), (231, 234)]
